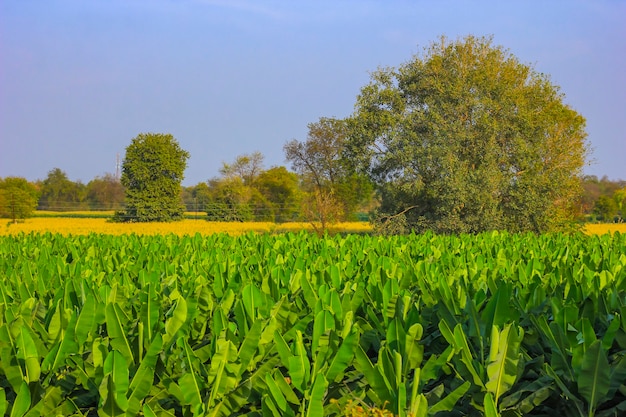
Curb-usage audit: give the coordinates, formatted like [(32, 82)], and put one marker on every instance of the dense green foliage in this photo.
[(105, 193), (333, 189), (60, 193), (494, 324), (152, 172), (18, 198), (246, 191), (595, 191), (464, 138)]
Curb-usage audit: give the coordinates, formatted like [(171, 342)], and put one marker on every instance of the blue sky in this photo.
[(80, 78)]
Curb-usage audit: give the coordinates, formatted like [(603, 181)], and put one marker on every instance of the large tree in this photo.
[(465, 138), (235, 196), (334, 189), (152, 172), (105, 193), (246, 166), (59, 193), (18, 198), (280, 188)]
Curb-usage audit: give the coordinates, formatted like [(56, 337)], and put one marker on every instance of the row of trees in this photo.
[(460, 139), (603, 199), (246, 191), (273, 194), (320, 190)]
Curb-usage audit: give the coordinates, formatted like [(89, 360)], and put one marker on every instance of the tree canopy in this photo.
[(59, 193), (105, 193), (465, 138), (334, 189), (18, 198), (152, 172)]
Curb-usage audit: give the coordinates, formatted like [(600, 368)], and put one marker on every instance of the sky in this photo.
[(79, 79)]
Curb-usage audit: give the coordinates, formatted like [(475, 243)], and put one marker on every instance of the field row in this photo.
[(84, 226), (295, 324)]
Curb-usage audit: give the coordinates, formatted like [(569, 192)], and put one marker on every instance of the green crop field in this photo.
[(300, 325)]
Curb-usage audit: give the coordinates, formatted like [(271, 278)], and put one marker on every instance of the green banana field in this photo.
[(494, 324)]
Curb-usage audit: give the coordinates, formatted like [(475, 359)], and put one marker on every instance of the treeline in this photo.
[(246, 191), (464, 138), (603, 200)]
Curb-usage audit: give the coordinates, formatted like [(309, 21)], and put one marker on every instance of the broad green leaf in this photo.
[(3, 402), (54, 402), (447, 334), (147, 411), (37, 410), (149, 314), (449, 401), (497, 312), (342, 359), (27, 351), (175, 322), (609, 336), (299, 365), (276, 394), (153, 408), (189, 382), (22, 401), (504, 355), (323, 323), (594, 379), (252, 299), (466, 355), (285, 388), (250, 344), (396, 336), (117, 333), (269, 407), (115, 385), (57, 321), (108, 398), (419, 408), (307, 290), (86, 320), (415, 388), (144, 377), (372, 374), (388, 382), (62, 349), (283, 349), (414, 351), (558, 344), (222, 374), (315, 403), (490, 406), (401, 404), (534, 399)]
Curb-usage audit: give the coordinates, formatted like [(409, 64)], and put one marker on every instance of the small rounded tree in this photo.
[(18, 198), (152, 172)]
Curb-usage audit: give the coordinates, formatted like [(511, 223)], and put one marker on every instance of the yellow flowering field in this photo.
[(84, 226), (602, 228)]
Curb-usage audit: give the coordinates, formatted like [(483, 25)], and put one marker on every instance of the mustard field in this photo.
[(85, 226), (600, 229), (296, 324)]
